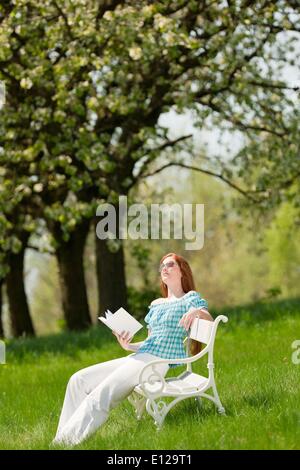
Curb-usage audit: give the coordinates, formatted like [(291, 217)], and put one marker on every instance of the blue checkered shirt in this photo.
[(166, 338)]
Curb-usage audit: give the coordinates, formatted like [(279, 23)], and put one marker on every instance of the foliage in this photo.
[(282, 242), (139, 300), (87, 83)]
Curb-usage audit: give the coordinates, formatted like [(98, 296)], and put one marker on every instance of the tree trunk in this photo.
[(21, 322), (111, 280), (72, 281), (1, 309)]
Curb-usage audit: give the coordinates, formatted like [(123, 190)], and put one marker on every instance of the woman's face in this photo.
[(170, 271)]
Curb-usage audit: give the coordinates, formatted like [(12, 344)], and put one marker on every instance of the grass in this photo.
[(257, 381)]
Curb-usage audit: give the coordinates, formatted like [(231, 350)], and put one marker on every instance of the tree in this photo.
[(13, 241), (270, 171), (20, 316), (87, 84), (282, 245)]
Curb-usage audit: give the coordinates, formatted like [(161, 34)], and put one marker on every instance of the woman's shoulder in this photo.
[(158, 301), (192, 293), (195, 299)]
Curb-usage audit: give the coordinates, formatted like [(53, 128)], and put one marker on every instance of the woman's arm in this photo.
[(188, 318), (204, 314), (124, 341), (136, 346)]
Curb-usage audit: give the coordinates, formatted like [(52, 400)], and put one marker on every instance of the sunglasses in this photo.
[(168, 265)]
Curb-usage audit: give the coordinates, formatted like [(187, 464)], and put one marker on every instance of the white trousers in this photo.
[(92, 392)]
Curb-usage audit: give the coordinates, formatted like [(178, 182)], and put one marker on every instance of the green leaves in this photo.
[(86, 87)]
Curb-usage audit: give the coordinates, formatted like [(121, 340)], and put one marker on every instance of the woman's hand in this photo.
[(188, 318), (124, 339)]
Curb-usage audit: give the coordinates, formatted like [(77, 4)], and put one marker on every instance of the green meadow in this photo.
[(258, 384)]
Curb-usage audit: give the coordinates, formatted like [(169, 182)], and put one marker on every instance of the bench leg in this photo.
[(138, 402), (158, 410), (221, 409)]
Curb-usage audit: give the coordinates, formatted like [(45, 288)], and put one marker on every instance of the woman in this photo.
[(92, 392)]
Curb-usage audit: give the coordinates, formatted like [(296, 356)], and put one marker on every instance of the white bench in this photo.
[(153, 387)]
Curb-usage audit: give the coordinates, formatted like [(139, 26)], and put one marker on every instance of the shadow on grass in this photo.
[(259, 312), (192, 411), (261, 400), (66, 343), (71, 343)]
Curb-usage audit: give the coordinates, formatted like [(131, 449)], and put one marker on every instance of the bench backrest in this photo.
[(201, 330)]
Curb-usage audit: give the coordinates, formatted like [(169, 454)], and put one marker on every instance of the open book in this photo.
[(120, 321)]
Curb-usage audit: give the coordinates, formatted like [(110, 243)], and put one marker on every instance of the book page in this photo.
[(121, 320)]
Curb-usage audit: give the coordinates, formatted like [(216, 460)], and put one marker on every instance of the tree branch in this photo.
[(106, 5), (35, 248), (170, 143), (272, 85), (246, 194), (65, 18)]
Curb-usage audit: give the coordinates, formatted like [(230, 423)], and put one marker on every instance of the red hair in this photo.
[(187, 283)]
